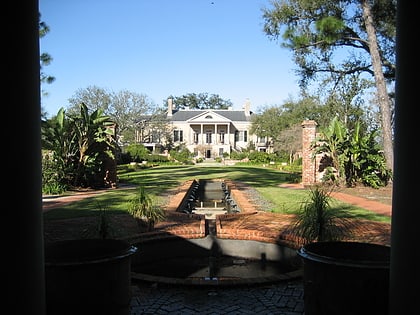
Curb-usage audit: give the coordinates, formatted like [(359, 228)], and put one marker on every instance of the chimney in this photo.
[(247, 107), (170, 106)]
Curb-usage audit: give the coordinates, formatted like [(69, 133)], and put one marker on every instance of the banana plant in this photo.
[(331, 142), (94, 133)]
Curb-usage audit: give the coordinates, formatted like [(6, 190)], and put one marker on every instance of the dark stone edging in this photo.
[(223, 281)]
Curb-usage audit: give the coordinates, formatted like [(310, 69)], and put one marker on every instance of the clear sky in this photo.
[(164, 47)]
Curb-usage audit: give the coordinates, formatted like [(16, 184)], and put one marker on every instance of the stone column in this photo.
[(308, 163)]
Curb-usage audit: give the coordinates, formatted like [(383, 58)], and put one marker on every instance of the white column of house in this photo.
[(228, 134), (188, 135), (216, 134), (201, 140)]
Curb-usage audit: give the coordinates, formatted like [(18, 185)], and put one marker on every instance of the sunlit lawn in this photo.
[(158, 182)]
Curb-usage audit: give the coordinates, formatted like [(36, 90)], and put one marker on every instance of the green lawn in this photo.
[(158, 181)]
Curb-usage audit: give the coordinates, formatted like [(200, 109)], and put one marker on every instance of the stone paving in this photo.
[(281, 298)]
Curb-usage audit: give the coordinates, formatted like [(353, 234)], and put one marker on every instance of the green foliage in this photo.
[(45, 58), (157, 158), (201, 101), (52, 176), (79, 145), (142, 208), (317, 221), (236, 155), (137, 152), (329, 175), (330, 29), (261, 157), (181, 154), (357, 158), (329, 45), (53, 188), (254, 157), (315, 30), (103, 228), (365, 162)]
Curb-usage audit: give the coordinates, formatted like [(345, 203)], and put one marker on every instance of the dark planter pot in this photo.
[(88, 276), (345, 278)]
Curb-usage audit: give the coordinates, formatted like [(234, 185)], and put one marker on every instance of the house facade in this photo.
[(211, 133)]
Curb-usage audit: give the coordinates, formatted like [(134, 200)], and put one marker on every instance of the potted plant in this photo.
[(317, 221), (103, 227), (144, 210), (91, 274), (339, 277)]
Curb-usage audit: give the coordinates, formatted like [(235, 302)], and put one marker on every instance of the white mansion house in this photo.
[(210, 133)]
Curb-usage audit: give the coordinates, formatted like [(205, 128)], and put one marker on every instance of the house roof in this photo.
[(233, 115)]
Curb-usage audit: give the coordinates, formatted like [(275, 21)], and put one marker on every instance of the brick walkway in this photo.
[(375, 206), (372, 205)]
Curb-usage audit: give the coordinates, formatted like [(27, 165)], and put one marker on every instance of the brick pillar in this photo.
[(308, 163)]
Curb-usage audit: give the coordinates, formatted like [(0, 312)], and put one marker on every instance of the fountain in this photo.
[(209, 197), (210, 260)]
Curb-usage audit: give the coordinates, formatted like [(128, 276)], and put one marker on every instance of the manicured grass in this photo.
[(158, 181)]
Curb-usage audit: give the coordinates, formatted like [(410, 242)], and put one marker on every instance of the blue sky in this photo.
[(165, 47)]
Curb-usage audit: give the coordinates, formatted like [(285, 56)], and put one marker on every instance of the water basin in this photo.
[(212, 261)]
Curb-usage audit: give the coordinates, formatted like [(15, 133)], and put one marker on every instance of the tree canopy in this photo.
[(200, 101), (125, 108), (331, 40)]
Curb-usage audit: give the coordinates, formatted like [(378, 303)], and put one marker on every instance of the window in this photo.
[(208, 136), (261, 139), (241, 136), (178, 136), (195, 137), (222, 137)]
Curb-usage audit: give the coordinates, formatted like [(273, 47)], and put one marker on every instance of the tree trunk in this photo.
[(384, 101)]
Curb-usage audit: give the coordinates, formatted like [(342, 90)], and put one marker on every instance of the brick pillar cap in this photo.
[(307, 123)]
